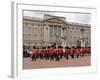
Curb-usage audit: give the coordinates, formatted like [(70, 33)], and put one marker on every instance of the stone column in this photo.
[(82, 37), (63, 38)]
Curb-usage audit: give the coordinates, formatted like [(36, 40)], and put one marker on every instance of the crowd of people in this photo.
[(56, 53)]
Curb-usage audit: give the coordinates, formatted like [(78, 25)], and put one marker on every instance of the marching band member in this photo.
[(52, 53)]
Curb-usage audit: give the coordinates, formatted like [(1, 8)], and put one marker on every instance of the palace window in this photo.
[(38, 24), (46, 28), (35, 28), (72, 28), (32, 24), (51, 25), (44, 24), (35, 35), (29, 34), (26, 24), (29, 28)]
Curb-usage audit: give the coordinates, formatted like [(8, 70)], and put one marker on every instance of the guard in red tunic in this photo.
[(56, 53), (40, 54), (81, 52), (61, 53), (37, 53), (77, 52), (52, 54), (47, 54), (88, 51), (34, 55), (72, 52), (66, 54), (85, 51)]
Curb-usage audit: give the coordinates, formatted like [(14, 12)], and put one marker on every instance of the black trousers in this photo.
[(33, 57), (72, 55)]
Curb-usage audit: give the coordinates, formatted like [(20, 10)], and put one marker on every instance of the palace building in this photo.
[(49, 30)]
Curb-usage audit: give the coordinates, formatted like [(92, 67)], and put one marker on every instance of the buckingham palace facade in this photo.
[(49, 30)]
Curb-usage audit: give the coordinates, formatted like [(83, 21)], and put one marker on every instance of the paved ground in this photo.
[(82, 61)]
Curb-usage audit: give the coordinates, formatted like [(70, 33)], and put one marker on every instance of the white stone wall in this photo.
[(38, 33)]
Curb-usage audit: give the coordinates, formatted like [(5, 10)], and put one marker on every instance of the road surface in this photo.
[(77, 62)]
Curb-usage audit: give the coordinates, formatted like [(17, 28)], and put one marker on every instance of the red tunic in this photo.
[(71, 51), (33, 51), (55, 52), (77, 51), (67, 52)]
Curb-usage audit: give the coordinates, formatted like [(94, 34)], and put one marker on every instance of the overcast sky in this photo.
[(70, 17)]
